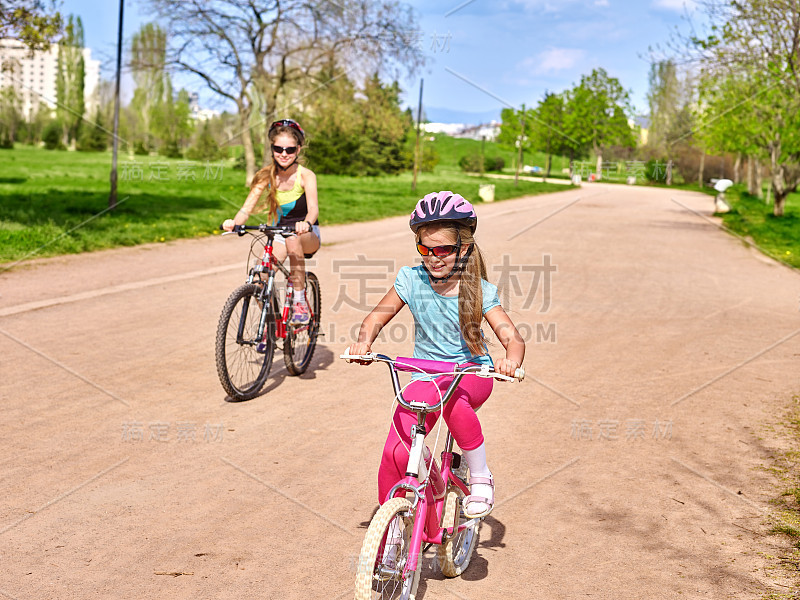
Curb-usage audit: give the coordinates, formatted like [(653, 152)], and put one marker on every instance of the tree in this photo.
[(547, 132), (148, 64), (95, 138), (35, 23), (516, 125), (205, 146), (241, 48), (170, 120), (664, 100), (358, 132), (10, 116), (37, 121), (385, 129), (595, 115), (69, 81), (752, 58)]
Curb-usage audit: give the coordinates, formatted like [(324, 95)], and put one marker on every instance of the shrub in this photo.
[(205, 146), (94, 138), (496, 163), (656, 170), (470, 163), (52, 136), (430, 158), (170, 150)]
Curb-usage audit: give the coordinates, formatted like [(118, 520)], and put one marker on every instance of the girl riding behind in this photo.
[(288, 191), (449, 297)]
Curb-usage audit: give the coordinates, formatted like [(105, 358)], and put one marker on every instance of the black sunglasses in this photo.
[(282, 149), (437, 251)]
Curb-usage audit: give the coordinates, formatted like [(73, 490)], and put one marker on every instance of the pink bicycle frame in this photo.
[(429, 506)]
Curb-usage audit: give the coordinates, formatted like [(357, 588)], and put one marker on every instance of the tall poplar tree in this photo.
[(70, 77), (147, 62)]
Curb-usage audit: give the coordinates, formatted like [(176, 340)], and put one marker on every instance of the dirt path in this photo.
[(628, 464)]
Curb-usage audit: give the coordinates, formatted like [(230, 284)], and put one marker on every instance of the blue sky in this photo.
[(513, 49)]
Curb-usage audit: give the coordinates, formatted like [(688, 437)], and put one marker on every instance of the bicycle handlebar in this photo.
[(432, 367), (242, 229)]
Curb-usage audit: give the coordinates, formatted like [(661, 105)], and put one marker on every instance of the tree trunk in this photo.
[(751, 182), (780, 201), (548, 161), (702, 168), (759, 178), (737, 168), (599, 168), (267, 154), (779, 189), (247, 143)]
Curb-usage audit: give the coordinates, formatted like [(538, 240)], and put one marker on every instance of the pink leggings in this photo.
[(459, 414)]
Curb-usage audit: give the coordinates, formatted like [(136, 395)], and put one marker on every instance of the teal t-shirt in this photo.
[(437, 334)]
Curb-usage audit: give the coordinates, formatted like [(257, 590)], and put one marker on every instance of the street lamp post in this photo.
[(112, 197)]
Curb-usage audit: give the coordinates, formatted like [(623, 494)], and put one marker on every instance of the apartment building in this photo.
[(33, 75)]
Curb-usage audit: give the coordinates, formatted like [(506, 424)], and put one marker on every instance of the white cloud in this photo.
[(677, 5), (553, 59), (601, 3)]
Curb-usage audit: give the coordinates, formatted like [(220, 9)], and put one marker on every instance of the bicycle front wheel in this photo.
[(384, 554), (300, 342), (243, 357), (456, 552)]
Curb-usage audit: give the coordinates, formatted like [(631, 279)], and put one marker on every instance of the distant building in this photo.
[(476, 132), (197, 113), (446, 128), (33, 75)]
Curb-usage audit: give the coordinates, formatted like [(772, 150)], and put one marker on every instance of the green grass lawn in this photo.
[(779, 237), (52, 202)]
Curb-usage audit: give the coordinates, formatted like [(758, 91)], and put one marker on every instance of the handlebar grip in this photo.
[(520, 373)]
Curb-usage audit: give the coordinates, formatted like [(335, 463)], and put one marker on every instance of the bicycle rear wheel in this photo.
[(455, 553), (300, 342), (244, 359), (379, 572)]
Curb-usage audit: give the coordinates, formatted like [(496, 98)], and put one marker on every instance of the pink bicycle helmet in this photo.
[(443, 206)]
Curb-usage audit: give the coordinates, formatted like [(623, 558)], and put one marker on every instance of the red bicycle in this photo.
[(256, 317)]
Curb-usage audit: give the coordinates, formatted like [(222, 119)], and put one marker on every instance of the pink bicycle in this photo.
[(389, 564)]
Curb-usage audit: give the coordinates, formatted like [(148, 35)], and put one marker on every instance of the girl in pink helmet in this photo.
[(287, 191), (449, 298)]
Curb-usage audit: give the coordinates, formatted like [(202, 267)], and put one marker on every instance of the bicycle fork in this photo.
[(426, 512)]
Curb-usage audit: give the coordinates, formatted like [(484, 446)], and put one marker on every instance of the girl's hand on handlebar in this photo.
[(360, 348), (506, 367), (228, 224), (302, 227)]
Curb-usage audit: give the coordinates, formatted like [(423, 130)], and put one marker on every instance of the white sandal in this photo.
[(472, 498)]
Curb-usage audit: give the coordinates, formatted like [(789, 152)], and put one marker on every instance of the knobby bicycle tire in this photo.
[(300, 342), (455, 553), (369, 583), (241, 367)]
